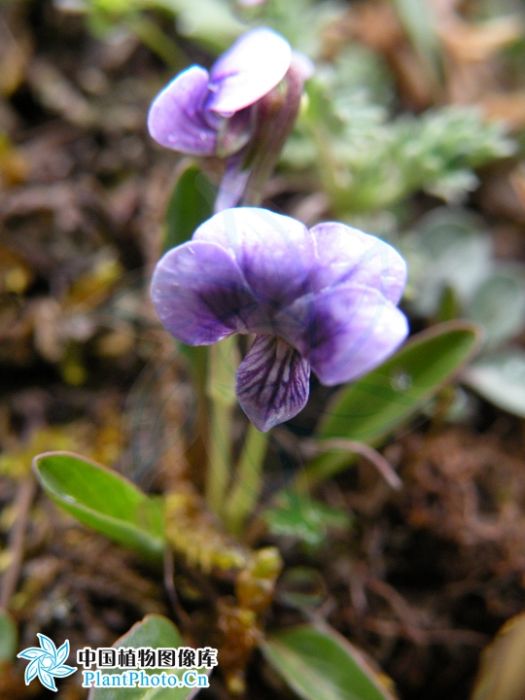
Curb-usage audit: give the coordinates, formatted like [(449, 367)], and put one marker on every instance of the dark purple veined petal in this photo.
[(272, 382), (253, 66), (199, 293), (274, 252), (343, 331), (176, 118), (345, 254)]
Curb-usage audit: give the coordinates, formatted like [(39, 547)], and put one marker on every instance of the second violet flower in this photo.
[(322, 299), (211, 113)]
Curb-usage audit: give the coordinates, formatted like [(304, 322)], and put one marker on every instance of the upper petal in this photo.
[(199, 293), (343, 331), (274, 253), (176, 119), (272, 382), (346, 254), (256, 62)]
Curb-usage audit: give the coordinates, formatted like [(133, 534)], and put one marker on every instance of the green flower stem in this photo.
[(155, 39), (218, 456), (277, 112), (221, 393), (336, 185), (248, 480)]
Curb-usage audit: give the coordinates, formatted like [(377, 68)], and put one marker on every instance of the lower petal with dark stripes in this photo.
[(272, 382)]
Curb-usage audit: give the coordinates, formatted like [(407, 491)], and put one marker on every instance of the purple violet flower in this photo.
[(321, 299), (205, 113)]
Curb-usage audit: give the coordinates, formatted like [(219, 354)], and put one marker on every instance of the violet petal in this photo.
[(176, 118), (199, 293), (272, 382), (343, 331), (233, 182), (253, 66), (346, 254), (274, 253), (234, 133)]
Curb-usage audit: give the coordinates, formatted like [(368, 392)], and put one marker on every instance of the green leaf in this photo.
[(502, 672), (302, 22), (297, 515), (448, 309), (190, 204), (153, 631), (378, 403), (103, 500), (504, 290), (320, 665), (449, 249), (8, 637), (214, 25), (301, 587), (420, 24), (383, 399), (500, 378)]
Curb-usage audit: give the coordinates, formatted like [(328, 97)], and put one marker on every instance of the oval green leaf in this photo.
[(8, 637), (500, 378), (296, 515), (318, 664), (153, 631), (421, 27), (449, 249), (103, 500), (381, 401), (503, 289), (502, 672), (190, 204)]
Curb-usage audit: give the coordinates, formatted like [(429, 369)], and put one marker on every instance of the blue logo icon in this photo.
[(46, 662)]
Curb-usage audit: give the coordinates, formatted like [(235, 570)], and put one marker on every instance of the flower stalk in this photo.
[(248, 481), (275, 114), (221, 393)]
